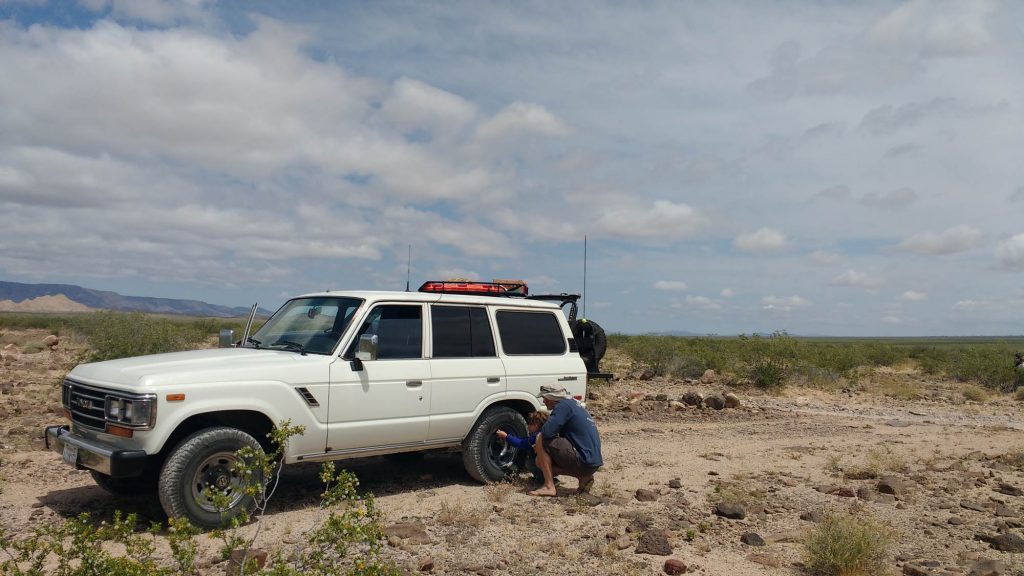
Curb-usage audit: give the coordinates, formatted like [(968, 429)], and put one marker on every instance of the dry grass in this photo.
[(458, 514), (875, 463), (848, 545), (975, 394), (499, 492)]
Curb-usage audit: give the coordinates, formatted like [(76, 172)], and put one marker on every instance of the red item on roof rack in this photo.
[(497, 288)]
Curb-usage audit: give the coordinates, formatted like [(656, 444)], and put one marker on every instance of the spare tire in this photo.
[(591, 342)]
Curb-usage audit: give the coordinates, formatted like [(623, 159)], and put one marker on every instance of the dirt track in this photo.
[(784, 455)]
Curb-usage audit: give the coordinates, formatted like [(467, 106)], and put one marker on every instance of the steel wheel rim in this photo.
[(501, 453), (216, 473)]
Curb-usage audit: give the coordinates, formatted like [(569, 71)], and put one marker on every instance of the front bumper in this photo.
[(99, 456)]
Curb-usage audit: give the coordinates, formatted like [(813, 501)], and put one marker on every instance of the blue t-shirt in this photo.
[(570, 420)]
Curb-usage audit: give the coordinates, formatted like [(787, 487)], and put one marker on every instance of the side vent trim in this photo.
[(308, 397)]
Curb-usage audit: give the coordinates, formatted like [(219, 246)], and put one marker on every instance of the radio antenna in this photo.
[(584, 275), (408, 266)]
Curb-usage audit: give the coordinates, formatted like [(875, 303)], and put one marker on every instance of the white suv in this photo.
[(366, 373)]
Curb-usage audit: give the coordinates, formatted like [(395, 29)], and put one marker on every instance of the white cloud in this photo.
[(950, 241), (698, 303), (893, 200), (914, 296), (662, 220), (522, 118), (727, 293), (824, 258), (935, 28), (854, 279), (1010, 252), (763, 241), (894, 320), (971, 305), (840, 192), (416, 105), (671, 285), (784, 304)]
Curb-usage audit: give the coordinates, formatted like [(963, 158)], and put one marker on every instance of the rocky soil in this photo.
[(687, 489)]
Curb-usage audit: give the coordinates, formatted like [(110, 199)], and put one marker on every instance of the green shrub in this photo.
[(847, 545), (975, 394)]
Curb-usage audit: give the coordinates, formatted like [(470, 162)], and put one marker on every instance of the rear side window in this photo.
[(530, 333), (461, 332)]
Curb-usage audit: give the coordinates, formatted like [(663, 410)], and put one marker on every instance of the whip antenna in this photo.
[(408, 265), (584, 276)]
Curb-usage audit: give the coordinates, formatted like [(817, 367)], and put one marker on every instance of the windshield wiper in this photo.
[(291, 346), (254, 341)]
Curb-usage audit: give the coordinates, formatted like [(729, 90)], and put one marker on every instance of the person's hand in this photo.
[(501, 434)]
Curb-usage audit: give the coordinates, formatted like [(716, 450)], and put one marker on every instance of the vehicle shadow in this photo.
[(299, 487)]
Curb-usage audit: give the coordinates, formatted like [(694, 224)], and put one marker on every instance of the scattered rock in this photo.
[(645, 374), (764, 559), (675, 483), (732, 400), (752, 539), (709, 377), (836, 490), (645, 495), (914, 569), (1009, 489), (51, 342), (973, 506), (731, 510), (813, 516), (955, 521), (426, 564), (988, 567), (715, 402), (676, 406), (654, 542), (1004, 511), (411, 532), (897, 423), (674, 566), (892, 485), (787, 537), (256, 555), (623, 542), (692, 398), (1008, 542)]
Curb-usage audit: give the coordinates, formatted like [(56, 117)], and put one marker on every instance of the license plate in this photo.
[(71, 454)]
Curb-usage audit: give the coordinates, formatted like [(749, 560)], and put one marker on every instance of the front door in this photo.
[(387, 404)]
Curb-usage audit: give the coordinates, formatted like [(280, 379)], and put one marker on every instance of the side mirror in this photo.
[(226, 339), (367, 349)]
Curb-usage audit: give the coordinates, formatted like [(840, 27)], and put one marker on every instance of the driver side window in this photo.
[(399, 331)]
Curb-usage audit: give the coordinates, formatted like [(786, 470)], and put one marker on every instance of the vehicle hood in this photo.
[(195, 367)]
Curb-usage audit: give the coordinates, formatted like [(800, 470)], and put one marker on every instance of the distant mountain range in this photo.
[(15, 296)]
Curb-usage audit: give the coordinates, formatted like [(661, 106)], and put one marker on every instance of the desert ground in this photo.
[(944, 474)]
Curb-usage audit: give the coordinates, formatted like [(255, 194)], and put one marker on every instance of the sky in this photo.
[(818, 167)]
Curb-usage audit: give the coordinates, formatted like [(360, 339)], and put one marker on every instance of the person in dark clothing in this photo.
[(568, 443)]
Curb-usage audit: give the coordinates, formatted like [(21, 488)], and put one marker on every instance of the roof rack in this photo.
[(507, 288)]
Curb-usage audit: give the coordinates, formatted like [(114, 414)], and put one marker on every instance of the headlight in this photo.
[(131, 412)]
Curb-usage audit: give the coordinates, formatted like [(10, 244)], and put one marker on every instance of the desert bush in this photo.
[(345, 538), (847, 545), (975, 394), (1019, 395), (771, 359)]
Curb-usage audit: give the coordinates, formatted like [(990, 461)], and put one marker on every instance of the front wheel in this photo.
[(202, 467), (488, 458)]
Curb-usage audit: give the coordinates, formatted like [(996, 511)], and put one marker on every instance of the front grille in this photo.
[(87, 405)]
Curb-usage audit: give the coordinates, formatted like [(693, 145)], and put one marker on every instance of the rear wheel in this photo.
[(201, 467), (488, 458)]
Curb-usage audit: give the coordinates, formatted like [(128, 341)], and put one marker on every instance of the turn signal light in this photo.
[(175, 397), (121, 431)]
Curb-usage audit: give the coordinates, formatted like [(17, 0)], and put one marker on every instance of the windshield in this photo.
[(312, 325)]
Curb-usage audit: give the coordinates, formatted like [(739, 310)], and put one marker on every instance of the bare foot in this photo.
[(545, 491), (586, 483)]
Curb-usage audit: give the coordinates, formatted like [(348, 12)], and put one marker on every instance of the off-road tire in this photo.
[(186, 476), (486, 457), (137, 487)]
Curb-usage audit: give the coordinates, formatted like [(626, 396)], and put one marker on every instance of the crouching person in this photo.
[(534, 422), (568, 444)]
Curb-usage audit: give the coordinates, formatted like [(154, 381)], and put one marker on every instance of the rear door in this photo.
[(465, 368), (535, 350)]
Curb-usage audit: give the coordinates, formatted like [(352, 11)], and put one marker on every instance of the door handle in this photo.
[(493, 380), (567, 379), (414, 383)]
